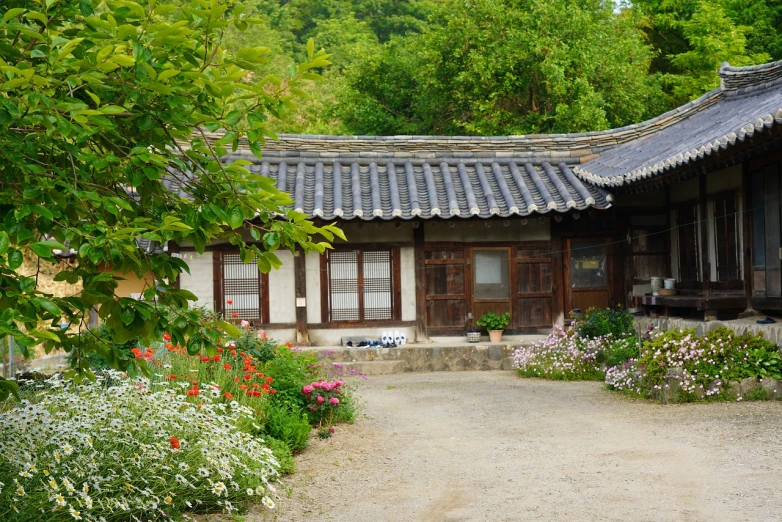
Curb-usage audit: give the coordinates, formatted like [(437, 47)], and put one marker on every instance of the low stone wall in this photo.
[(772, 332), (423, 358)]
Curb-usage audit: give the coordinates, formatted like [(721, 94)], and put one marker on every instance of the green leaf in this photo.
[(230, 329), (12, 13), (15, 259), (8, 388), (235, 217), (41, 250), (123, 60), (47, 305), (4, 242)]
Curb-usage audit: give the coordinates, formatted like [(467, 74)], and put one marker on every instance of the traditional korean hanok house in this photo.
[(443, 229)]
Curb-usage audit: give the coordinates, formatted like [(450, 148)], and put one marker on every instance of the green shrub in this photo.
[(620, 351), (282, 452), (291, 426), (599, 322), (292, 370)]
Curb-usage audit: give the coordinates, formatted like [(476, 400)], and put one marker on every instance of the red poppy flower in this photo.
[(138, 353), (171, 377), (230, 301), (243, 387), (204, 358), (174, 442), (247, 376), (255, 386), (266, 387), (227, 366), (193, 392), (234, 314), (272, 391), (228, 396), (216, 358), (219, 349), (269, 380), (166, 337)]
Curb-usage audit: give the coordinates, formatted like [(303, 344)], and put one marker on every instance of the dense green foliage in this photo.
[(99, 101), (597, 322), (512, 66)]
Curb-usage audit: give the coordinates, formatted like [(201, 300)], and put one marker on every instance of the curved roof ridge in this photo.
[(581, 145), (749, 78)]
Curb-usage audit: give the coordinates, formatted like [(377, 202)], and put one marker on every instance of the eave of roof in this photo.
[(748, 101)]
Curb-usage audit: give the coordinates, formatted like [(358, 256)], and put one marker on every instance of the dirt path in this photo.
[(464, 446)]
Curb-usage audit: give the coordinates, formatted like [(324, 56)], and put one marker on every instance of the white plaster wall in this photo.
[(407, 273), (200, 281), (283, 335), (313, 288), (282, 290), (333, 336), (476, 231)]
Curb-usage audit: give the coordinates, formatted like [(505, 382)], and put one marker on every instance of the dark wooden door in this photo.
[(491, 288), (534, 285), (588, 274), (447, 288)]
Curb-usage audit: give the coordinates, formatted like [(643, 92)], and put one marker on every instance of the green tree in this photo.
[(508, 67), (102, 106), (712, 39)]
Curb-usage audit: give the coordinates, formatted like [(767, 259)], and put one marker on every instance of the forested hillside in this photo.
[(494, 67)]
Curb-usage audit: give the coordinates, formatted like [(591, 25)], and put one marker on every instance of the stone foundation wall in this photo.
[(772, 332)]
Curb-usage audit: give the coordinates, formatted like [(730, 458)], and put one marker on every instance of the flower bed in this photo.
[(677, 365), (198, 435), (124, 447), (563, 355)]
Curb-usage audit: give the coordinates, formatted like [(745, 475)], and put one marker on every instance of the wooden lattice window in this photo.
[(362, 285), (240, 289), (686, 226), (726, 236)]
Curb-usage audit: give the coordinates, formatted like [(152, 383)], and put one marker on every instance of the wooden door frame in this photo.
[(508, 248), (568, 296)]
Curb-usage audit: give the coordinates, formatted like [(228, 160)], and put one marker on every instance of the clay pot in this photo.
[(495, 336)]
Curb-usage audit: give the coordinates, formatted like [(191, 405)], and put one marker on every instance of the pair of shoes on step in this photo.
[(767, 320)]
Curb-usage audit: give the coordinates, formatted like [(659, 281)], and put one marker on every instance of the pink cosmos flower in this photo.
[(245, 323), (334, 400), (262, 334), (321, 399), (307, 389)]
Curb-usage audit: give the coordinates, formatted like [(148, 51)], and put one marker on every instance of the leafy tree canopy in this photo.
[(101, 105), (508, 67)]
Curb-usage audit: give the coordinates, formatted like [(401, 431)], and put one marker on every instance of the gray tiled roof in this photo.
[(748, 102), (343, 186)]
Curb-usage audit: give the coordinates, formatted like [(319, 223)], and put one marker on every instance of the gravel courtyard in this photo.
[(463, 446)]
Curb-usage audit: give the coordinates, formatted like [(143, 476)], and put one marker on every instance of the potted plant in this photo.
[(494, 324)]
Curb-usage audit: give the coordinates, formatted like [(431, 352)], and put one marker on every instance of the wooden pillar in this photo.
[(557, 274), (747, 245), (421, 329), (705, 265), (300, 269)]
